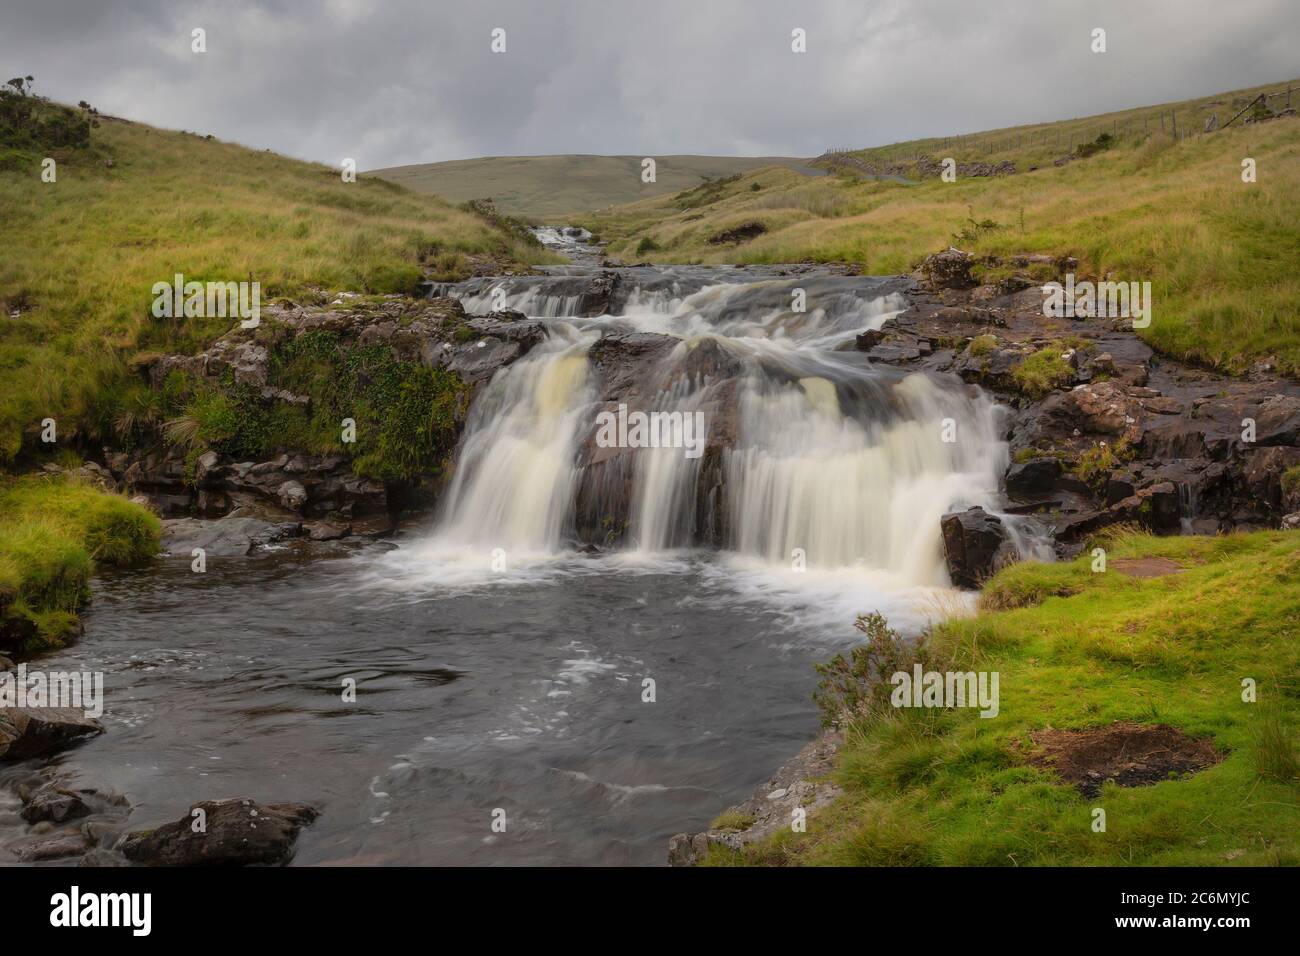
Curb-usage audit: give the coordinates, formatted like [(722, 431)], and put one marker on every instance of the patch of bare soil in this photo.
[(1146, 567), (1132, 755)]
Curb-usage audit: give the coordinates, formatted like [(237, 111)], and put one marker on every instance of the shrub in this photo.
[(1096, 463), (28, 121), (858, 687)]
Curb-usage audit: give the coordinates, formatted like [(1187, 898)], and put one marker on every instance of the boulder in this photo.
[(865, 342), (1037, 476), (596, 297), (1277, 422), (237, 832), (950, 269), (32, 731), (1157, 506), (54, 804), (499, 342), (976, 545), (291, 495)]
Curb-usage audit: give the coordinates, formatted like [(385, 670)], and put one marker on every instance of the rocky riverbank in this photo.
[(1102, 431), (313, 441)]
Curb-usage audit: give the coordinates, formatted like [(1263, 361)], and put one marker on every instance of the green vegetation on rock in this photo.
[(53, 532)]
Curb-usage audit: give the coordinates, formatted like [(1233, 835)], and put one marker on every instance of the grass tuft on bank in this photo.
[(1076, 649), (53, 533)]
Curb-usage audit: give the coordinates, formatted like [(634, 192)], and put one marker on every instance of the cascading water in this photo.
[(814, 456), (482, 683)]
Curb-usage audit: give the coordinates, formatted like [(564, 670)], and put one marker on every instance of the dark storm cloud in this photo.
[(407, 81)]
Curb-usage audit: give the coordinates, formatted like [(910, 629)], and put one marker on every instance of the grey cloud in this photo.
[(406, 81)]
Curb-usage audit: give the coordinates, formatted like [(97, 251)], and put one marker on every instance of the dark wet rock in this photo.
[(5, 663), (1181, 438), (624, 364), (599, 293), (1036, 476), (33, 731), (1277, 421), (52, 803), (238, 832), (223, 537), (865, 341), (284, 488), (497, 344), (976, 545), (1263, 473), (1157, 507)]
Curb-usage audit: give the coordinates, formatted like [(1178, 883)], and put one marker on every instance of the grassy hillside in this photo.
[(551, 189), (132, 206), (1175, 212), (1076, 650), (141, 204)]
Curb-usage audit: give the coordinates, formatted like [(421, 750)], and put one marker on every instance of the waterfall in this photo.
[(813, 454), (513, 484)]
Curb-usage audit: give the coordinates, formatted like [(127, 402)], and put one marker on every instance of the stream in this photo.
[(603, 697)]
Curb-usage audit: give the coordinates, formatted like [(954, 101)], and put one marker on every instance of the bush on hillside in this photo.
[(28, 121)]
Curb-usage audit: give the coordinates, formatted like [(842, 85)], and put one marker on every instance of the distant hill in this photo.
[(547, 188)]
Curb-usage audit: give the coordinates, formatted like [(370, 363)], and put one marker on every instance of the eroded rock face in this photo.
[(435, 334), (237, 832), (33, 731), (976, 545), (638, 369), (1136, 437)]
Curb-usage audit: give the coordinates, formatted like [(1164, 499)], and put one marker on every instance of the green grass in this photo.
[(82, 254), (53, 532), (551, 189), (1042, 372), (1217, 251), (1077, 649)]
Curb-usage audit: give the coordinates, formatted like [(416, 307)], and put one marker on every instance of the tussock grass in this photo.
[(1217, 251), (1076, 650), (53, 532)]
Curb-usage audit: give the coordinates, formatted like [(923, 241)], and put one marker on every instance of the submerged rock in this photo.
[(236, 832), (223, 537), (32, 731)]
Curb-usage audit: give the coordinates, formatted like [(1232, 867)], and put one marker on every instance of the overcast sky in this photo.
[(390, 82)]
